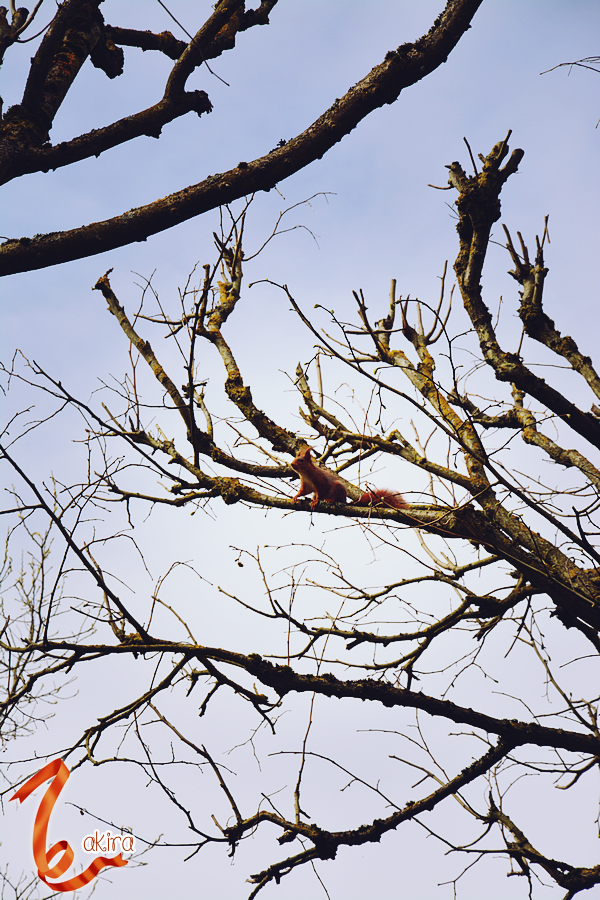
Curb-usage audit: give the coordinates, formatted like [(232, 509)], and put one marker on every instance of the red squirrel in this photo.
[(326, 486)]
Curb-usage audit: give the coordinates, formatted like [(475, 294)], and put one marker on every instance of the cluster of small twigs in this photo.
[(534, 554)]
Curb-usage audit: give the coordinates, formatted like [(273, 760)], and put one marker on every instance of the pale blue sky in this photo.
[(380, 221)]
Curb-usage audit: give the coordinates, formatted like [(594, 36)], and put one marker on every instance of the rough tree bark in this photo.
[(78, 31)]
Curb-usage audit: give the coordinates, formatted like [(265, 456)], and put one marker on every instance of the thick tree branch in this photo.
[(401, 68), (22, 155), (284, 680)]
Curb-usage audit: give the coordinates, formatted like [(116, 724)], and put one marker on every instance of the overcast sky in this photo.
[(379, 220)]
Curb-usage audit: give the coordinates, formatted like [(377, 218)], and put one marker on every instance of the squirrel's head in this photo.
[(303, 456)]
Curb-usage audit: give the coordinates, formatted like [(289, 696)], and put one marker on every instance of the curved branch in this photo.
[(22, 153), (516, 733), (326, 843), (284, 680), (401, 68)]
